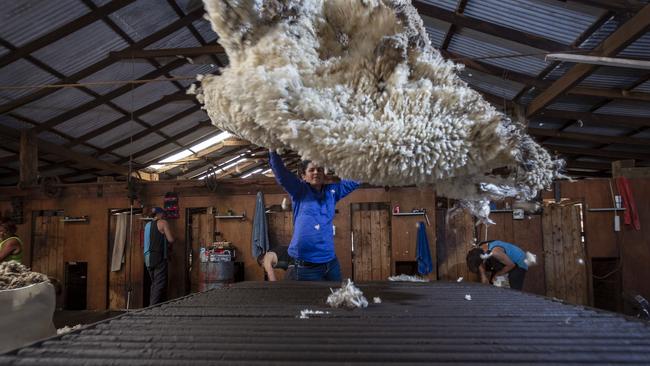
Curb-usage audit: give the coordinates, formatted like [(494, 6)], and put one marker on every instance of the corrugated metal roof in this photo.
[(143, 18), (645, 87), (24, 21), (205, 29), (464, 44), (54, 104), (552, 20), (118, 71), (436, 30), (638, 49), (3, 51), (86, 122), (597, 130), (611, 77), (626, 108), (180, 126), (256, 323), (604, 31), (138, 145), (143, 95), (445, 4), (573, 103), (197, 135), (109, 158), (116, 134), (22, 73), (559, 71), (502, 88), (81, 49), (156, 154), (181, 38), (9, 121), (83, 149), (625, 148), (52, 137), (166, 111)]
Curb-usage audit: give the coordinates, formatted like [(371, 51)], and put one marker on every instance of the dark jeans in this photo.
[(330, 271), (516, 278), (158, 275)]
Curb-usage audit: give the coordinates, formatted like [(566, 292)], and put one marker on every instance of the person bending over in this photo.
[(314, 202), (498, 258), (277, 257)]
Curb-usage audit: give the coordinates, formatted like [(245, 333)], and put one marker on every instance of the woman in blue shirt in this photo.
[(313, 202), (504, 258)]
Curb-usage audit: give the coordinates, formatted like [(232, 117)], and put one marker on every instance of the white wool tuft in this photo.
[(468, 297), (376, 300), (460, 279), (531, 259), (407, 278), (304, 314), (348, 296), (357, 87)]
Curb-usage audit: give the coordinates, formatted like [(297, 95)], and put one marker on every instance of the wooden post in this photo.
[(28, 159)]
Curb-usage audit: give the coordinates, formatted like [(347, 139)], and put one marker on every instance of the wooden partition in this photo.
[(371, 241), (455, 237), (126, 285), (47, 248), (566, 267)]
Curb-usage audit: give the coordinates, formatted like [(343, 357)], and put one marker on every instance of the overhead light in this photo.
[(597, 60)]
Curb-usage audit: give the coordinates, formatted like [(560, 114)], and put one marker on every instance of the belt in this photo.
[(300, 262)]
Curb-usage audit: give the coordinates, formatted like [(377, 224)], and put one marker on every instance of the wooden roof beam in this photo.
[(168, 52), (598, 119), (597, 152), (514, 35), (617, 41), (601, 139)]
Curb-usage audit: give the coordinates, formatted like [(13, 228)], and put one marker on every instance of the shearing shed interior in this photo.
[(324, 182)]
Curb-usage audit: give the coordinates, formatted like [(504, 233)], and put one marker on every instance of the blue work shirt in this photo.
[(313, 213), (517, 256)]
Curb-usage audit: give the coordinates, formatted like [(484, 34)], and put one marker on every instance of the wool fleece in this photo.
[(356, 86)]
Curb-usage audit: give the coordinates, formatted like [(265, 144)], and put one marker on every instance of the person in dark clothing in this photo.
[(498, 258), (279, 258), (314, 203), (157, 240)]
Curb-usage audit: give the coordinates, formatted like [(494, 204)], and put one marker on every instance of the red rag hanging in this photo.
[(631, 215)]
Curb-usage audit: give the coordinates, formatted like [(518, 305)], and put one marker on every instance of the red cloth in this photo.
[(631, 215)]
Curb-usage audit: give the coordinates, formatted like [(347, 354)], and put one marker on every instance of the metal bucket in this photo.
[(216, 274)]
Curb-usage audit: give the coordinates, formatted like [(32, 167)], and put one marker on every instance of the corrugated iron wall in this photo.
[(429, 323)]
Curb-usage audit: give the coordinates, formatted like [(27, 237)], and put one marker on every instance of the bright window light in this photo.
[(252, 173), (266, 171), (211, 141), (156, 166), (177, 156), (226, 167)]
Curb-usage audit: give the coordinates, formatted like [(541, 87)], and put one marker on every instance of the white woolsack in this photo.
[(356, 86)]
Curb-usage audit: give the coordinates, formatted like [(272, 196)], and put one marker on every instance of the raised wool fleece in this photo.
[(356, 86)]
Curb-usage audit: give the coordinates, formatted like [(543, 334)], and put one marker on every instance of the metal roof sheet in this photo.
[(118, 71), (184, 123), (551, 20), (205, 30), (22, 73), (558, 71), (83, 149), (598, 130), (24, 21), (9, 121), (574, 103), (491, 84), (181, 38), (52, 137), (162, 113), (138, 145), (463, 43), (445, 4), (53, 104), (116, 134), (626, 108), (89, 121), (638, 49), (197, 135), (143, 18), (611, 77), (604, 31), (143, 95), (645, 87), (81, 49), (625, 148), (157, 154)]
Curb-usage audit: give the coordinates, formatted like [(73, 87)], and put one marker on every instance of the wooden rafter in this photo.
[(613, 154), (597, 119), (169, 52), (602, 139), (489, 28), (621, 38), (614, 5)]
